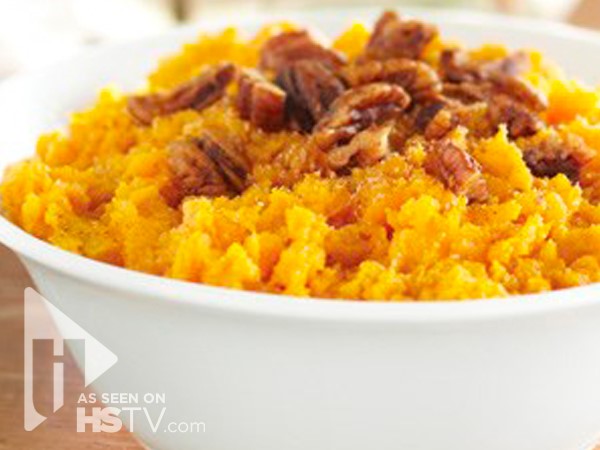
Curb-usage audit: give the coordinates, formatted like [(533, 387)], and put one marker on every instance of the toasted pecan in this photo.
[(457, 169), (204, 166), (416, 77), (366, 148), (457, 66), (511, 101), (199, 93), (552, 153), (435, 120), (285, 48), (519, 120), (521, 91), (467, 92), (311, 88), (357, 128), (395, 37), (509, 108), (260, 101), (356, 110)]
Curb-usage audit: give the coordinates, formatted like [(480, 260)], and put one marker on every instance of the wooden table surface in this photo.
[(59, 431)]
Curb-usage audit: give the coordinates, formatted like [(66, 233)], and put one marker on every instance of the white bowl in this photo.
[(277, 373)]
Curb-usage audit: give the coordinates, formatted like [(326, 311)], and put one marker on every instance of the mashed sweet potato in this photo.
[(384, 229)]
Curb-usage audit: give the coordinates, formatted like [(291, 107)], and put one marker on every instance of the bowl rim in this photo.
[(227, 300)]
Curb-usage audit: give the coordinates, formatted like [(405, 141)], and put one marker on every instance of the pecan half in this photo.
[(553, 153), (198, 93), (260, 101), (457, 169), (365, 149), (457, 66), (519, 120), (285, 48), (467, 92), (356, 110), (476, 81), (521, 91), (394, 37), (511, 101), (311, 89), (204, 166), (416, 77), (404, 129), (454, 66), (436, 119)]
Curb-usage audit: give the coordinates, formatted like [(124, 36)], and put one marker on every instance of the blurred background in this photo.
[(36, 32)]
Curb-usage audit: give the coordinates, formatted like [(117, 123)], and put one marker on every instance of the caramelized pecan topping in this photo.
[(521, 91), (198, 93), (356, 110), (457, 169), (416, 77), (403, 130), (467, 92), (511, 101), (356, 114), (553, 153), (516, 88), (457, 66), (365, 149), (260, 101), (285, 48), (436, 120), (205, 166), (311, 89), (394, 37), (519, 120)]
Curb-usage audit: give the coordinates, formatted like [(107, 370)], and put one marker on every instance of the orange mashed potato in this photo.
[(100, 189)]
